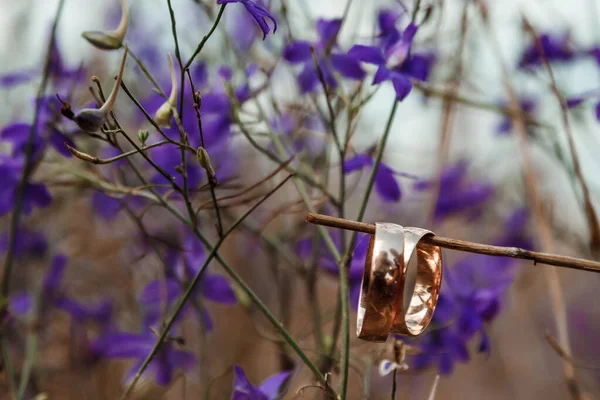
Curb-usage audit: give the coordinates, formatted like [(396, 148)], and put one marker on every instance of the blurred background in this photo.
[(104, 253)]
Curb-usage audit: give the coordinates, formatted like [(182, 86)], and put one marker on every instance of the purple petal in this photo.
[(20, 303), (354, 295), (574, 102), (297, 52), (382, 74), (402, 86), (386, 184), (123, 345), (225, 72), (17, 78), (243, 389), (597, 108), (357, 162), (38, 195), (368, 54), (57, 140), (446, 364), (409, 33), (347, 66), (54, 276), (105, 206), (16, 133), (272, 385), (327, 29), (207, 320), (216, 288), (215, 103), (308, 78)]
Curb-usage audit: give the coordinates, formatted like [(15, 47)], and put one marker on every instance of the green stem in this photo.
[(213, 254)]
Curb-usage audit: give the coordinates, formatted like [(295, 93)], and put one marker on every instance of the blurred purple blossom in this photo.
[(269, 389), (258, 12), (124, 345), (35, 195), (299, 52), (27, 243), (471, 296), (457, 193), (385, 180), (556, 49), (395, 61)]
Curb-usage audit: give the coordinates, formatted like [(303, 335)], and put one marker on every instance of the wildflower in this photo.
[(165, 112), (35, 194), (107, 207), (385, 179), (27, 243), (90, 119), (471, 297), (258, 12), (556, 49), (395, 61), (269, 389), (125, 345), (110, 40), (299, 52), (456, 193)]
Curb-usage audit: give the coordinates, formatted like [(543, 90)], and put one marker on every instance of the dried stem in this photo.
[(470, 247)]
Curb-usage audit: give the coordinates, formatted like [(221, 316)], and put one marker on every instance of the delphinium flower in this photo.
[(27, 243), (557, 48), (526, 103), (299, 52), (457, 193), (182, 266), (304, 248), (48, 132), (471, 296), (396, 61), (53, 296), (269, 389), (35, 194), (258, 12), (386, 184)]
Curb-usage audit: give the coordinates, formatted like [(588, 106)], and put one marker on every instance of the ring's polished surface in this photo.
[(379, 289), (413, 320)]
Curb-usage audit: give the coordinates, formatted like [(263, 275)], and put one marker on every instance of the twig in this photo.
[(470, 247), (101, 161)]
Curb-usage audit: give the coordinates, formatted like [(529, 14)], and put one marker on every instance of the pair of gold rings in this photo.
[(395, 298)]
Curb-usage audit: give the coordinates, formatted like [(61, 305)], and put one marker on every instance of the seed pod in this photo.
[(110, 40), (92, 119), (165, 112), (205, 163)]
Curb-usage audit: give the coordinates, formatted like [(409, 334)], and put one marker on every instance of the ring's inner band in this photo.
[(376, 309), (422, 286)]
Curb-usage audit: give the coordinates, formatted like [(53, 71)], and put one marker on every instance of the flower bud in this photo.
[(205, 163), (143, 135), (110, 40), (165, 112), (92, 119)]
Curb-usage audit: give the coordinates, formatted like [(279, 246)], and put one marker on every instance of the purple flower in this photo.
[(124, 345), (458, 194), (35, 195), (556, 49), (304, 248), (298, 52), (395, 61), (17, 78), (27, 243), (527, 104), (105, 206), (258, 12), (385, 179), (269, 389), (472, 296)]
